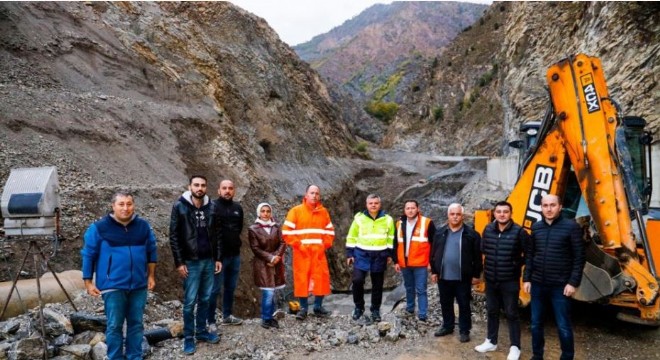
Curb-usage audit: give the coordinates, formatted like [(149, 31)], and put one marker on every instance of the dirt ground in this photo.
[(598, 336)]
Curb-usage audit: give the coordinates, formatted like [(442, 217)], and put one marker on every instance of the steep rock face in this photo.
[(142, 95), (492, 77), (373, 54)]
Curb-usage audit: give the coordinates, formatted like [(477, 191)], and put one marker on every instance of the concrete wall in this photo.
[(502, 173), (655, 156)]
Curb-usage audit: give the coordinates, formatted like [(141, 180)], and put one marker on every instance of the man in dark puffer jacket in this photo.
[(555, 257), (502, 244)]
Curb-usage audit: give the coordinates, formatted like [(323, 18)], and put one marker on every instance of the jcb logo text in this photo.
[(543, 177)]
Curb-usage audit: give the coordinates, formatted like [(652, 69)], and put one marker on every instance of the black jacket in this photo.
[(470, 252), (555, 253), (183, 232), (230, 215), (503, 252)]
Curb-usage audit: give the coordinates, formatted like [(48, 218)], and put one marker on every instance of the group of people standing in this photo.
[(205, 242)]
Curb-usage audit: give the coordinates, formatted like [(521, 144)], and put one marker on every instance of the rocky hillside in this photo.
[(492, 77), (373, 55), (142, 95)]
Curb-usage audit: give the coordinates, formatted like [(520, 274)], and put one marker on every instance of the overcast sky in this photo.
[(297, 21)]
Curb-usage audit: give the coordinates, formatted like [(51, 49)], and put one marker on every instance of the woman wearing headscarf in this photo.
[(265, 237)]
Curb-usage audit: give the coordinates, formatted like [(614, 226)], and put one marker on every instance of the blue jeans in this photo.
[(228, 278), (415, 280), (304, 304), (562, 311), (461, 291), (120, 306), (267, 304), (197, 289)]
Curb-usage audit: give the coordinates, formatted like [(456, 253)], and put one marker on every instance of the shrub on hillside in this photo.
[(384, 111), (438, 113)]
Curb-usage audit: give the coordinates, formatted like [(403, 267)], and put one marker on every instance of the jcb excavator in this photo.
[(599, 163)]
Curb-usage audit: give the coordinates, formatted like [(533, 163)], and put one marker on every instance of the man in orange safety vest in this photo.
[(412, 250)]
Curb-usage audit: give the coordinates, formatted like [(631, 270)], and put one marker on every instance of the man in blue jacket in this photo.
[(554, 260), (121, 250)]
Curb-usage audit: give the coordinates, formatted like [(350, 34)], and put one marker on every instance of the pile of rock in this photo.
[(80, 335)]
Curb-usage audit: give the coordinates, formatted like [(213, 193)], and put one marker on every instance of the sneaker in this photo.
[(270, 324), (208, 337), (357, 313), (301, 315), (464, 337), (443, 331), (423, 319), (375, 315), (213, 328), (231, 320), (514, 353), (189, 346), (321, 312), (486, 347)]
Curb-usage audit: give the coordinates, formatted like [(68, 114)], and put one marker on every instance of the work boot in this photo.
[(270, 324), (301, 315), (443, 331), (357, 313), (375, 316), (321, 312), (464, 337)]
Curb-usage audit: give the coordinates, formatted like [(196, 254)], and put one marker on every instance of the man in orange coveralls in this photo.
[(309, 232)]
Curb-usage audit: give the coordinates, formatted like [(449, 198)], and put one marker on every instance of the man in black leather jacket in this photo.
[(554, 260), (195, 245)]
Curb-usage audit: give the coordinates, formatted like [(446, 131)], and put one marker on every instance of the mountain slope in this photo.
[(372, 55), (492, 77)]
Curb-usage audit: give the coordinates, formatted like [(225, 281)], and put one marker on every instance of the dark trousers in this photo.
[(503, 295), (461, 292), (228, 278), (562, 310), (377, 279)]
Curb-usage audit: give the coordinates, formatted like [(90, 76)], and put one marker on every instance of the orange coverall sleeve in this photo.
[(289, 229)]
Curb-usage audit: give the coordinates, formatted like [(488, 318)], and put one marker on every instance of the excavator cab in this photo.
[(528, 134), (639, 141)]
